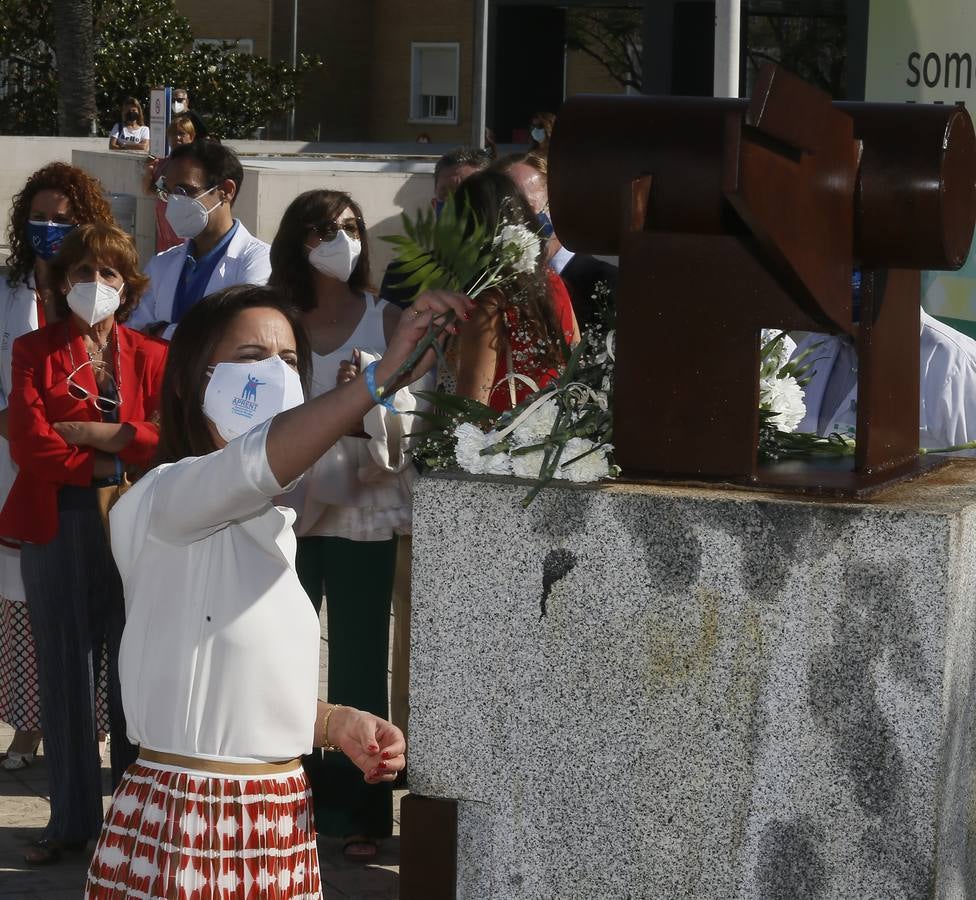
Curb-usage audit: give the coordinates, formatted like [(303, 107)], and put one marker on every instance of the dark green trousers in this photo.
[(357, 580)]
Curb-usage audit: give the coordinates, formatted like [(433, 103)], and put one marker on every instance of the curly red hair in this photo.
[(84, 193)]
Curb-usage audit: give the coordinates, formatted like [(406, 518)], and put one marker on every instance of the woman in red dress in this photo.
[(517, 338)]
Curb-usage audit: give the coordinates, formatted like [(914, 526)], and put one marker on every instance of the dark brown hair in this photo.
[(84, 193), (290, 269), (548, 120), (183, 429), (493, 196), (105, 243)]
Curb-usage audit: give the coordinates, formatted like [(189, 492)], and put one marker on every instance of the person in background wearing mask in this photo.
[(357, 498), (540, 131), (449, 171), (53, 202), (179, 132), (180, 106), (85, 392), (131, 131), (580, 272), (202, 181)]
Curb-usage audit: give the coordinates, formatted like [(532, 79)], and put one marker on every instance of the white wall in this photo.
[(382, 188)]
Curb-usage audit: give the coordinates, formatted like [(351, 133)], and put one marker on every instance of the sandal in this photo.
[(46, 852), (12, 760), (359, 848)]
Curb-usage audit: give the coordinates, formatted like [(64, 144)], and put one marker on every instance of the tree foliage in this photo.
[(612, 37), (138, 44), (813, 47)]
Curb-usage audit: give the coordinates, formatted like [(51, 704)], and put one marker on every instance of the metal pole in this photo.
[(479, 92), (727, 30), (294, 63)]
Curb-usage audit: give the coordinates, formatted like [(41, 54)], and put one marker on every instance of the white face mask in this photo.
[(93, 301), (337, 257), (178, 107), (243, 395), (538, 135), (187, 215)]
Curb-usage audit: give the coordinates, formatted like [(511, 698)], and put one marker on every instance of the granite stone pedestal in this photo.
[(663, 692)]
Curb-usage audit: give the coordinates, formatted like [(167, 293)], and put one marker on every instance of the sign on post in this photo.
[(159, 114)]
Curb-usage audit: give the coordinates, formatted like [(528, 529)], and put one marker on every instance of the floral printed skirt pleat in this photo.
[(185, 835)]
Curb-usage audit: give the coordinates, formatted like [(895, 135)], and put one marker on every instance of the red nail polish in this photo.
[(385, 755), (467, 316)]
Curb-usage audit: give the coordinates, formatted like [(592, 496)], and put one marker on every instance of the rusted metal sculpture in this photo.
[(730, 216)]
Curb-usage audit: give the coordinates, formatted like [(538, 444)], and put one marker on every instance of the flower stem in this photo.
[(432, 337)]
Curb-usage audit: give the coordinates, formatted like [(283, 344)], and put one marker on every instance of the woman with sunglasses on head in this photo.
[(85, 392), (220, 656), (356, 500), (54, 201)]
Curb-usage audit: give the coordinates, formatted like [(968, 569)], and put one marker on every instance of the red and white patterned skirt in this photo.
[(188, 835)]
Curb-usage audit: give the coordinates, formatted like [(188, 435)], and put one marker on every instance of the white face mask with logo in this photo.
[(243, 395), (187, 215), (93, 301), (337, 257)]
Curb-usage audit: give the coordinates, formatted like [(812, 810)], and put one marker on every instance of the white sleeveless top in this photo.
[(362, 488)]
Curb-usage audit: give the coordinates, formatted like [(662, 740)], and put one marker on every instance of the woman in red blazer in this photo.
[(85, 394)]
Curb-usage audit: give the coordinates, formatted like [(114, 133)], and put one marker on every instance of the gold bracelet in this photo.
[(328, 746)]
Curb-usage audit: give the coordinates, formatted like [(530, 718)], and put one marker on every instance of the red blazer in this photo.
[(39, 397)]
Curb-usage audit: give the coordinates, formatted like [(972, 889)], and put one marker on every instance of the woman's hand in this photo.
[(348, 369), (375, 746), (428, 308)]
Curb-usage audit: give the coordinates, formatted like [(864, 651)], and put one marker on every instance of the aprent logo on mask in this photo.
[(247, 404)]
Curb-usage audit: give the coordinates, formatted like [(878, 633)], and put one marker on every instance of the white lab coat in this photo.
[(947, 373), (18, 316), (247, 261)]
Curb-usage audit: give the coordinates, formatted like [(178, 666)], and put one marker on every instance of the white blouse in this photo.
[(362, 488), (220, 653)]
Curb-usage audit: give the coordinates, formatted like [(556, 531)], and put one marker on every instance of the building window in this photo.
[(434, 82), (230, 45)]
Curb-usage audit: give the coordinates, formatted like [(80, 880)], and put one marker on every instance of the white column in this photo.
[(479, 86), (727, 28)]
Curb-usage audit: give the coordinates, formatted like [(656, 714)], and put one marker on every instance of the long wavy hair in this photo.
[(493, 196), (183, 427), (85, 195), (291, 271)]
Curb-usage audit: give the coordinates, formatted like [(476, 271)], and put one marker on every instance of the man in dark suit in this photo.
[(580, 272)]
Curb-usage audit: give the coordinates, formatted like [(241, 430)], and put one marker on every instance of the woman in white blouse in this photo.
[(131, 131), (219, 659), (355, 502)]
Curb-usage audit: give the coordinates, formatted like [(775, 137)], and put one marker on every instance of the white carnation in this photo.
[(471, 440), (527, 465), (536, 427), (784, 397), (784, 348), (519, 246), (592, 467)]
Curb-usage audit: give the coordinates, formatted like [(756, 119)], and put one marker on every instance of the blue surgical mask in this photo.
[(438, 206), (856, 294), (45, 238), (546, 230)]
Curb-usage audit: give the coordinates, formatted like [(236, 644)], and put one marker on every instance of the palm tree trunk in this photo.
[(74, 45)]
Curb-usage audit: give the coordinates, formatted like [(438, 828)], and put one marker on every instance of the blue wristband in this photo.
[(374, 392)]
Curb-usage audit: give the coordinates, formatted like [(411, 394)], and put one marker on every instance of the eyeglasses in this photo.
[(329, 230), (102, 404), (164, 193)]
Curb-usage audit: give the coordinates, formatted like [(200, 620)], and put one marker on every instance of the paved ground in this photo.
[(24, 811)]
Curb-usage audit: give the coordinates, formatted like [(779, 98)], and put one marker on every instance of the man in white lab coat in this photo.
[(202, 180), (947, 374)]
